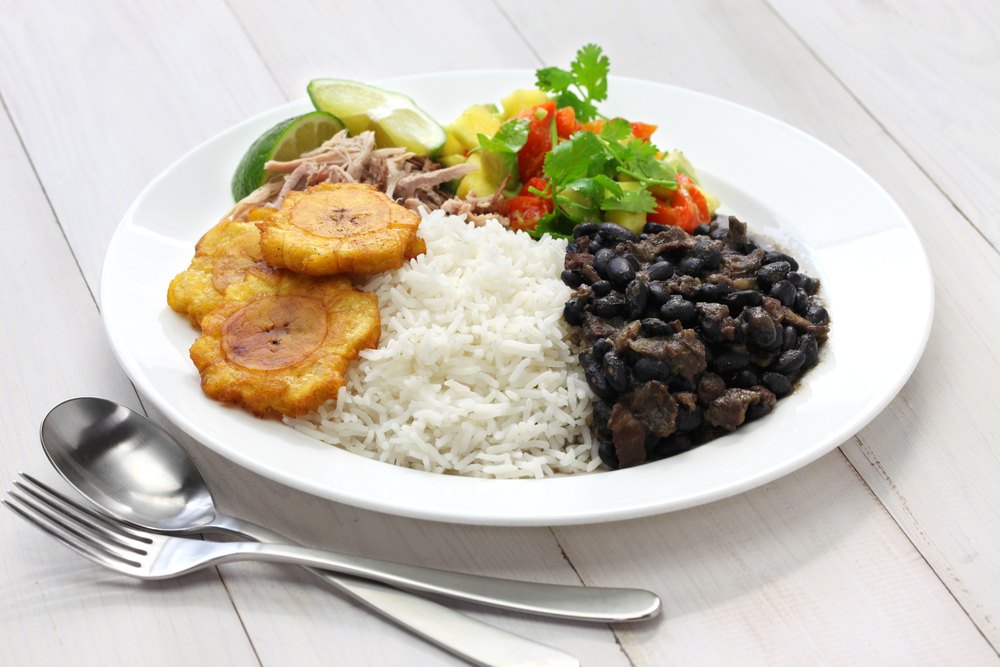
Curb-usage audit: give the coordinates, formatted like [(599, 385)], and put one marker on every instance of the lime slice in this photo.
[(395, 118), (285, 141)]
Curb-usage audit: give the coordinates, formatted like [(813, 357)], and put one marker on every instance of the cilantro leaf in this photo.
[(591, 69), (510, 138), (588, 74), (583, 155), (616, 129), (633, 201)]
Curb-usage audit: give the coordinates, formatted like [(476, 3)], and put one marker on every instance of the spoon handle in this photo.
[(476, 642)]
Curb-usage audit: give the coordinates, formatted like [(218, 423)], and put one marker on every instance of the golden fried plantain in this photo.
[(339, 228), (222, 257), (284, 344)]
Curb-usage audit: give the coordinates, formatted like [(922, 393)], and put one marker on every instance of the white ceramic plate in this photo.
[(843, 227)]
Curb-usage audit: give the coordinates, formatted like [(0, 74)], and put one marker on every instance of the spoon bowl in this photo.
[(126, 464)]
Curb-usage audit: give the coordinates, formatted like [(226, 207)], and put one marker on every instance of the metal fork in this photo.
[(146, 555)]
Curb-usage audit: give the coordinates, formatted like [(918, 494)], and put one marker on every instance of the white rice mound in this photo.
[(474, 374)]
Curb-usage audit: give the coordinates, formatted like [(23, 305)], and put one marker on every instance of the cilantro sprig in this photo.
[(584, 175), (588, 75)]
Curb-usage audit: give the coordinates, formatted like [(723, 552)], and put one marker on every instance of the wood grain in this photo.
[(895, 566), (58, 608)]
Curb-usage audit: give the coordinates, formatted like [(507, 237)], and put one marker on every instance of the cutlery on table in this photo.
[(79, 433), (147, 555)]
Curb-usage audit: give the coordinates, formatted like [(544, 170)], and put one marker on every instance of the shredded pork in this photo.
[(409, 179)]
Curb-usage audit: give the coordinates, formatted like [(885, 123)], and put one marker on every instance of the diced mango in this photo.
[(522, 99), (452, 146), (477, 181), (474, 121)]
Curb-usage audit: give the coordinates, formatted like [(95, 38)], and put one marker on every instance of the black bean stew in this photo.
[(686, 336)]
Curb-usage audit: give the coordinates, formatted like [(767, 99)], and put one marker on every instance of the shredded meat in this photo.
[(409, 179)]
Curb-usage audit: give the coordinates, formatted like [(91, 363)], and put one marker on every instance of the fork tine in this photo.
[(42, 521), (97, 520), (79, 522)]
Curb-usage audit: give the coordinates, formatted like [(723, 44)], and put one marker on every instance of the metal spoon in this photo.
[(136, 471)]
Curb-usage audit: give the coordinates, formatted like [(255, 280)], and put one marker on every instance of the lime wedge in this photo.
[(395, 118), (285, 141)]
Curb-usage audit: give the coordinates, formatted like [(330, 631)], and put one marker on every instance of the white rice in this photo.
[(474, 374)]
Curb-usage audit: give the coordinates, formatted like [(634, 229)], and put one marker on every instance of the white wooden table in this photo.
[(884, 551)]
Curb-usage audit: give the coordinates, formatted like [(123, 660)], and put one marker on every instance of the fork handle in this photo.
[(467, 638), (573, 602)]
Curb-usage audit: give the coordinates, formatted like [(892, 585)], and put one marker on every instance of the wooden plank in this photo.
[(807, 570), (58, 608), (105, 95), (929, 73), (940, 495)]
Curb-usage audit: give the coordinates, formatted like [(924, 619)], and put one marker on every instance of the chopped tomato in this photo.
[(531, 157), (642, 131), (566, 123), (540, 184), (687, 208), (527, 208)]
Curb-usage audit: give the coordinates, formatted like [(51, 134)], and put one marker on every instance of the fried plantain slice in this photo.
[(284, 344), (222, 257), (331, 229)]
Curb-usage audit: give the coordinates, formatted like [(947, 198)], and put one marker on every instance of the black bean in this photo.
[(702, 230), (602, 288), (784, 292), (773, 256), (777, 383), (602, 412), (620, 272), (633, 261), (573, 248), (658, 291), (719, 234), (706, 251), (746, 298), (573, 311), (648, 368), (743, 380), (594, 245), (749, 247), (680, 384), (689, 420), (619, 378), (672, 445), (801, 280), (662, 270), (572, 278), (601, 259), (613, 231), (654, 228), (711, 292), (653, 328), (586, 229), (601, 347), (643, 236), (772, 273), (652, 442), (817, 314), (756, 411), (731, 361), (810, 348), (677, 308), (760, 329), (791, 338), (801, 301), (790, 361), (692, 266), (598, 382), (635, 299), (608, 454), (609, 306)]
